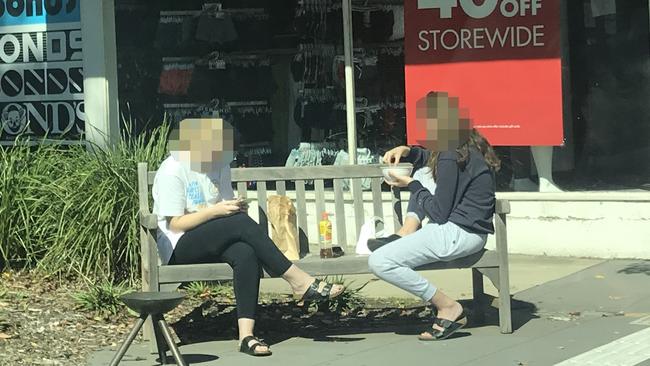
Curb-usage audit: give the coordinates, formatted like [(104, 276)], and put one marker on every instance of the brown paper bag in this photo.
[(284, 232)]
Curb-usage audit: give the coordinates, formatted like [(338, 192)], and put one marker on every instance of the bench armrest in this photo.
[(502, 206), (148, 220)]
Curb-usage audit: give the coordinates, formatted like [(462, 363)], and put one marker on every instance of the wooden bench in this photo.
[(488, 263)]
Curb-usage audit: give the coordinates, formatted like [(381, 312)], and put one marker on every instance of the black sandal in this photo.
[(250, 350), (449, 327), (319, 292)]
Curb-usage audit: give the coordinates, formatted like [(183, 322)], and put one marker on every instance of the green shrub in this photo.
[(25, 172), (102, 298), (206, 290), (72, 210)]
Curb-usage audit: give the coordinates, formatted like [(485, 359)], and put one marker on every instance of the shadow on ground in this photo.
[(281, 320), (190, 359), (642, 267)]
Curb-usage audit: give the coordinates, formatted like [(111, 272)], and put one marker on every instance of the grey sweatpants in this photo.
[(394, 262)]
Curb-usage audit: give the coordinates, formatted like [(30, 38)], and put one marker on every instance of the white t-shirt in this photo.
[(424, 176), (177, 190)]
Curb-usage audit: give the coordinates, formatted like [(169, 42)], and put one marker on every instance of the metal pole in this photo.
[(129, 339), (170, 342), (349, 80)]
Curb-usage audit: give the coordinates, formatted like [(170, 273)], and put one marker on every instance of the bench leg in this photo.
[(505, 313), (501, 280), (478, 296)]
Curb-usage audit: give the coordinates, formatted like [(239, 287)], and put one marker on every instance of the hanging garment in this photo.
[(217, 28), (175, 79), (364, 157)]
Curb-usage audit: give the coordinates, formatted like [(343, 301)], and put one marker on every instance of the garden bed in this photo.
[(41, 322)]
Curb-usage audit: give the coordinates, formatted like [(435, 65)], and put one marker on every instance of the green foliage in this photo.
[(72, 210), (102, 298), (207, 290), (349, 300)]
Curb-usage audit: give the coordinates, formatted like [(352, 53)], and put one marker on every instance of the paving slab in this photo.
[(555, 321), (525, 272)]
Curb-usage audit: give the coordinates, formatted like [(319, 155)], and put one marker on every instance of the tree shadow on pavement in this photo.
[(281, 320), (642, 267), (191, 359)]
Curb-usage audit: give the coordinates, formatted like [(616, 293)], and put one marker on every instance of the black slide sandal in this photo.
[(450, 327), (316, 293), (250, 350)]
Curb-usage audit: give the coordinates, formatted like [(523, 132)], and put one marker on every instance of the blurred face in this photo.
[(446, 126), (203, 143)]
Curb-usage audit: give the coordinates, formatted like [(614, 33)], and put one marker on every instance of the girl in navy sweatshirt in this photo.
[(460, 212)]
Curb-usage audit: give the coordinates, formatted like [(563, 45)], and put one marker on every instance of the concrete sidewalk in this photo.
[(564, 308), (525, 272)]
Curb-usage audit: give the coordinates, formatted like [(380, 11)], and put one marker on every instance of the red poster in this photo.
[(499, 58)]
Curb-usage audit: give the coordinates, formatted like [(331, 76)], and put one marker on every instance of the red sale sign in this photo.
[(499, 58)]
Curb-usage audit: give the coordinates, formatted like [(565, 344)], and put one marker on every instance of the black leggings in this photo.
[(240, 242)]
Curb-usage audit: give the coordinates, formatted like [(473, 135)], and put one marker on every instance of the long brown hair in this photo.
[(477, 141)]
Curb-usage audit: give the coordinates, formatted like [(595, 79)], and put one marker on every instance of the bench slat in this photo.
[(339, 213), (301, 212), (143, 186), (242, 191), (306, 173), (263, 211), (151, 175), (319, 187), (302, 173), (377, 202), (314, 265), (281, 188), (357, 196), (396, 203)]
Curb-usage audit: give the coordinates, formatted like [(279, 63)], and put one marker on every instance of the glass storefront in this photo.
[(274, 69)]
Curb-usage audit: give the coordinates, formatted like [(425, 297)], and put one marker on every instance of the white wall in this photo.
[(580, 229), (598, 229)]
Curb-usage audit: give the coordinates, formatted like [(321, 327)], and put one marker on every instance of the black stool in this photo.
[(155, 304)]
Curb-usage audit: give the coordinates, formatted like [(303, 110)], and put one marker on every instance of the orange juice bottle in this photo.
[(325, 236)]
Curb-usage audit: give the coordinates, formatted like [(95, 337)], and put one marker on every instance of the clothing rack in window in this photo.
[(377, 2), (320, 95), (317, 49), (254, 54), (317, 6), (258, 148), (255, 107), (179, 111), (185, 13), (395, 48), (321, 6), (217, 60), (250, 103)]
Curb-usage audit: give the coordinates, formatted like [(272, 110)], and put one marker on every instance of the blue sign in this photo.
[(21, 12)]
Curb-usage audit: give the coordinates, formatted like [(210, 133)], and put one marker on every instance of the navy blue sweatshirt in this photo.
[(464, 197)]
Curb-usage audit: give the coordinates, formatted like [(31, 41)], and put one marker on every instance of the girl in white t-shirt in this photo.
[(200, 221)]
